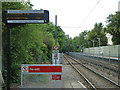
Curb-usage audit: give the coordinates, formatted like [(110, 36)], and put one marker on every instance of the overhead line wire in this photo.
[(86, 16), (91, 11)]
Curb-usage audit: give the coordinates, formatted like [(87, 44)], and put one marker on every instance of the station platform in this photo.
[(71, 78), (97, 56), (105, 57)]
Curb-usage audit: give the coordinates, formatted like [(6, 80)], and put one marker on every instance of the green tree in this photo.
[(113, 27), (29, 42), (80, 41), (16, 6), (60, 38), (68, 46), (97, 32), (15, 52)]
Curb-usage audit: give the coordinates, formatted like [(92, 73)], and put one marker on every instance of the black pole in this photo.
[(8, 59), (55, 29), (119, 65), (55, 34)]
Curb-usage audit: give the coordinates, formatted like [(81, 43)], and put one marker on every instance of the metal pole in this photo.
[(0, 36), (62, 57), (2, 80), (55, 34), (109, 52), (93, 49), (119, 54), (99, 46), (103, 61), (109, 58), (119, 65), (21, 80), (55, 29), (89, 48), (8, 60), (55, 60)]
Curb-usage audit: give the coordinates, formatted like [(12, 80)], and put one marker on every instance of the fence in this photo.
[(112, 51)]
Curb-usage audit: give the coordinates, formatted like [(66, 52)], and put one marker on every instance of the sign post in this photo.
[(8, 58), (55, 47), (55, 29), (47, 69), (55, 57), (55, 53), (11, 17)]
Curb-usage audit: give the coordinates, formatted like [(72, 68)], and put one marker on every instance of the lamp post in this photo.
[(108, 36), (85, 38), (109, 58), (84, 50), (93, 45), (99, 44), (89, 47), (93, 48)]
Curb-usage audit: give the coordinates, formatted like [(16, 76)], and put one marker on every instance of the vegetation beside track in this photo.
[(30, 43)]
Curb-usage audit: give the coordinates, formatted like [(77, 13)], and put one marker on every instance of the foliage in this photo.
[(80, 41), (61, 38), (16, 6), (113, 27), (85, 39), (68, 47), (30, 43), (95, 33)]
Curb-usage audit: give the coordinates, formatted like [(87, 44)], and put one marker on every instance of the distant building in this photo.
[(119, 6), (109, 37)]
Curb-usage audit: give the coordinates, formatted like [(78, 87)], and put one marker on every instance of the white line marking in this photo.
[(82, 84)]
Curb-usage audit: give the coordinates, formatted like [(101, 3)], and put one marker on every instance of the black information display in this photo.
[(25, 16)]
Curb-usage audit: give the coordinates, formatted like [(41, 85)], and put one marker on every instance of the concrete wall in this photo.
[(114, 50)]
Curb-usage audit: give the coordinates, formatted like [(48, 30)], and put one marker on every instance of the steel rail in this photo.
[(96, 73), (95, 63), (81, 74)]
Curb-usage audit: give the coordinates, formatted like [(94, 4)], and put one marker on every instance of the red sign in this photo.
[(56, 56), (44, 68), (55, 47), (56, 77), (25, 69)]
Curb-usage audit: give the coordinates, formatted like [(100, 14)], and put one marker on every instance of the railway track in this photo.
[(94, 79), (101, 63), (88, 84), (104, 68)]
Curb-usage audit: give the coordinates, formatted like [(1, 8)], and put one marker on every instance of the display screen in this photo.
[(25, 17)]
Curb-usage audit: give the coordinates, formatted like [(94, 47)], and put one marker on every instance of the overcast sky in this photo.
[(75, 16)]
